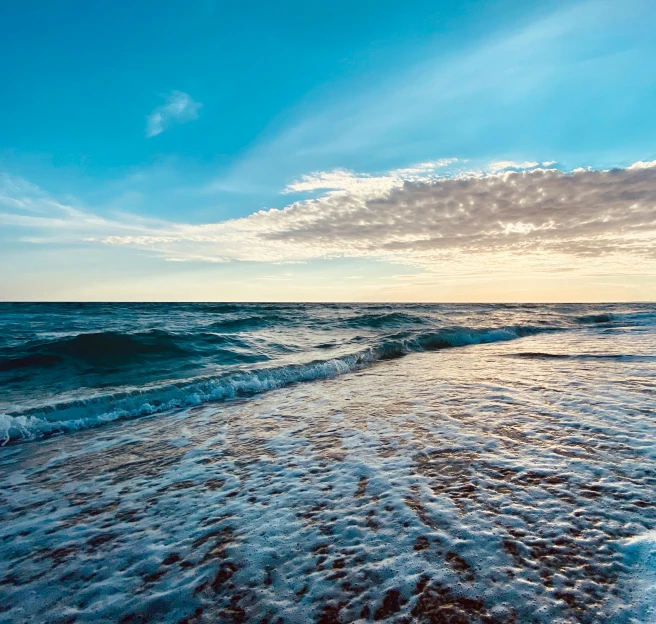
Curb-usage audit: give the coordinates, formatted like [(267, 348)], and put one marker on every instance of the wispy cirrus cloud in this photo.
[(495, 91), (179, 108), (25, 208)]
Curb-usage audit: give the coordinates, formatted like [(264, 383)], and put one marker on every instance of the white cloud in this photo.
[(576, 218), (425, 168), (341, 181), (641, 164), (504, 165), (179, 108), (542, 220)]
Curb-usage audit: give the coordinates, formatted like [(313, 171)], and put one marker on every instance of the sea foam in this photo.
[(452, 486), (641, 555)]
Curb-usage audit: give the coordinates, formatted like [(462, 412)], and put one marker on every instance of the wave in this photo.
[(95, 347), (29, 361), (640, 318), (222, 308), (619, 318), (595, 318), (109, 348), (382, 320), (79, 414)]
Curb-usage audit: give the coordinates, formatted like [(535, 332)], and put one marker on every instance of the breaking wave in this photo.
[(54, 418)]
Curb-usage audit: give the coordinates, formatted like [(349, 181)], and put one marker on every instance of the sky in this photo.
[(425, 150)]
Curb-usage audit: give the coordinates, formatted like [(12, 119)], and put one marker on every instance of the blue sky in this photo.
[(130, 131)]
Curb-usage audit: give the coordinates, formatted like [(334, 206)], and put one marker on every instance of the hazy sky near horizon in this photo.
[(479, 150)]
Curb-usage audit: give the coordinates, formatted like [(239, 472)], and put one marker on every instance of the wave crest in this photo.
[(68, 416)]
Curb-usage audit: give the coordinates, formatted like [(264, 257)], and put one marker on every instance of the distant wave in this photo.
[(595, 318), (68, 416), (226, 338), (642, 318), (382, 320)]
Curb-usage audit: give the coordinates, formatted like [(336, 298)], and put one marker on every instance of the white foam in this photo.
[(509, 488), (641, 556)]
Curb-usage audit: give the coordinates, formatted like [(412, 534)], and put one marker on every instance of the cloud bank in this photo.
[(179, 108), (501, 219), (540, 211)]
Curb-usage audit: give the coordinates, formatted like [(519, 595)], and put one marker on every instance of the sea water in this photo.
[(327, 463)]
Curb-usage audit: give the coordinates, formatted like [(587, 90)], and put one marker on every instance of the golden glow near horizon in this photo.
[(504, 234), (317, 282)]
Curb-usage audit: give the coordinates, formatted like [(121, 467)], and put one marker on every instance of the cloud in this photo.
[(643, 165), (344, 181), (582, 213), (341, 181), (425, 168), (503, 165), (26, 207), (536, 220), (579, 217), (179, 108)]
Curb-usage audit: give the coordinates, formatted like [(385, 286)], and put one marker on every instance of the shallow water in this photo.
[(65, 367), (505, 482)]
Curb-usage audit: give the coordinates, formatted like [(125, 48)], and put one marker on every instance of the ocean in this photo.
[(327, 463)]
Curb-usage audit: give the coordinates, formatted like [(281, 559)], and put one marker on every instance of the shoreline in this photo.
[(433, 485)]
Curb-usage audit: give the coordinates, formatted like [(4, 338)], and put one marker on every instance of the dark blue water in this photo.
[(65, 367)]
